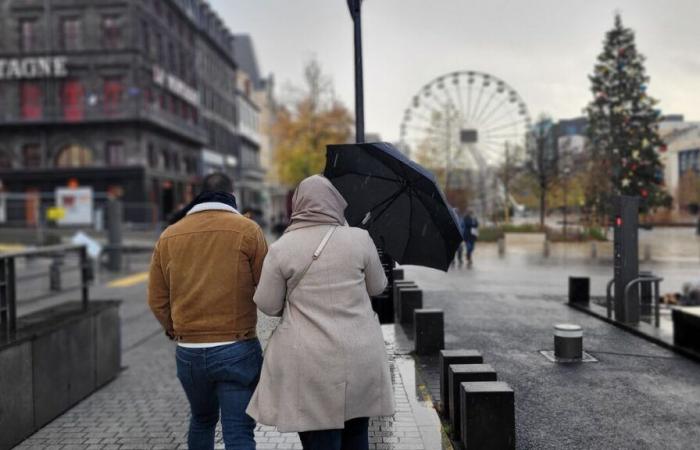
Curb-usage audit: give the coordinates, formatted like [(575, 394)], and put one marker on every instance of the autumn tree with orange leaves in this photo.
[(305, 126)]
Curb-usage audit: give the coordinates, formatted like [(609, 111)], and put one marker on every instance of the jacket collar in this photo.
[(212, 206)]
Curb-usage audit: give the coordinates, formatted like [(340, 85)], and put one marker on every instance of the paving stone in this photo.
[(145, 407)]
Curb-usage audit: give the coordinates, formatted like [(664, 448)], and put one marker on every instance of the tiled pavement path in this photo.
[(145, 408)]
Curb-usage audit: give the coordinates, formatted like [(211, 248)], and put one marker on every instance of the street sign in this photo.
[(77, 203)]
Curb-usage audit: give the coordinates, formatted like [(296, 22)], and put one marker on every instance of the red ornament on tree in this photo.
[(645, 194), (663, 148)]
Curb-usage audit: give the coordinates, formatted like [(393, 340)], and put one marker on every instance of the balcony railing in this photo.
[(126, 110)]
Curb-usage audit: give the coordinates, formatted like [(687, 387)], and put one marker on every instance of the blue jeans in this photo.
[(220, 378), (353, 437)]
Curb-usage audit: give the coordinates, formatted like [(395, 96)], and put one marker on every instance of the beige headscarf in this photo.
[(316, 202)]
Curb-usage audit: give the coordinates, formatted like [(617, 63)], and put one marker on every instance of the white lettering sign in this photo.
[(39, 67), (175, 85)]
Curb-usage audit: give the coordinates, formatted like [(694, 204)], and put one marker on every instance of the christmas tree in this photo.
[(623, 127)]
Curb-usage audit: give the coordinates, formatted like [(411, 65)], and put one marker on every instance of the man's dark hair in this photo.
[(217, 181)]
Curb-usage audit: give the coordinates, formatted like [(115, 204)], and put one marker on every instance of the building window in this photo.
[(177, 165), (31, 156), (28, 38), (158, 47), (71, 33), (112, 92), (146, 38), (689, 160), (165, 159), (152, 157), (31, 101), (72, 100), (172, 57), (5, 160), (73, 156), (112, 32), (114, 153)]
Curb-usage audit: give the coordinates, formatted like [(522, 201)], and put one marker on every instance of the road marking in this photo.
[(12, 248), (129, 281)]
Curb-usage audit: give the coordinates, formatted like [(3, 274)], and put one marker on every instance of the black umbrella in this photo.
[(397, 201)]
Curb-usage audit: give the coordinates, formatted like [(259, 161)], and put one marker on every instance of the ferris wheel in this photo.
[(466, 120)]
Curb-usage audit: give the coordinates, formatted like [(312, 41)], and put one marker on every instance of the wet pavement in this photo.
[(638, 396), (145, 407)]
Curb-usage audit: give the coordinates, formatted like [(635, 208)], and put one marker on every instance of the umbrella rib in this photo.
[(379, 177), (386, 203)]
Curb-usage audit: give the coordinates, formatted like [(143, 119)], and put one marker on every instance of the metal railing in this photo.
[(655, 292), (9, 279)]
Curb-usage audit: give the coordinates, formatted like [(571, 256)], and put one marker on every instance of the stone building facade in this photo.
[(135, 98)]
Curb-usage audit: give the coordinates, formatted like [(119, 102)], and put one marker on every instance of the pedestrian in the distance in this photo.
[(460, 222), (471, 234), (202, 278), (326, 370)]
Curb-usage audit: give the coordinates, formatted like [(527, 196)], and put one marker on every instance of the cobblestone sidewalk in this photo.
[(145, 408)]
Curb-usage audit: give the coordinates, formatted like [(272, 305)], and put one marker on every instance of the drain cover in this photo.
[(549, 354)]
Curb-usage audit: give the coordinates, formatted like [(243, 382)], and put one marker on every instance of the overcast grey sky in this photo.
[(543, 48)]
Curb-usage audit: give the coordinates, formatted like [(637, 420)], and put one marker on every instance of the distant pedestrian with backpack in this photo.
[(471, 233)]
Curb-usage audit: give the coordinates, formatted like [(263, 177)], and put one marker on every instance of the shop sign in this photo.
[(175, 85), (77, 204), (33, 67)]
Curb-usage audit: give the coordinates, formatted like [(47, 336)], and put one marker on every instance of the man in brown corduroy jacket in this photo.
[(203, 275)]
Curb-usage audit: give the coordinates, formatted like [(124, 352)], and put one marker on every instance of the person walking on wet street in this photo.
[(203, 274), (326, 370), (471, 234)]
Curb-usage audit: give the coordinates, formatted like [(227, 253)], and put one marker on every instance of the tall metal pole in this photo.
[(355, 11)]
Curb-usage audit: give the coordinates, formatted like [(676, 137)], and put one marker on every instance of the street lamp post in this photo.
[(355, 11)]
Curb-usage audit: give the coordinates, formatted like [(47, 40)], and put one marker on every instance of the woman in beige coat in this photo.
[(325, 370)]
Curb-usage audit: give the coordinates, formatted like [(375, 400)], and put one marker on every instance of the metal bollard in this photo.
[(546, 250), (594, 250), (55, 274), (501, 246), (647, 252), (115, 212), (568, 342)]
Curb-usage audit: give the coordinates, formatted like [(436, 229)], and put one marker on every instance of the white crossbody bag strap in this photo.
[(314, 257)]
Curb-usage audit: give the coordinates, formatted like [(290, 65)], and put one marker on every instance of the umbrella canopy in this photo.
[(398, 201)]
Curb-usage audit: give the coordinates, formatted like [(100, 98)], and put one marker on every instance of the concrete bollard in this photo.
[(409, 300), (501, 246), (460, 373), (447, 358), (568, 341), (579, 290), (384, 307), (428, 331), (398, 274), (398, 285), (487, 415)]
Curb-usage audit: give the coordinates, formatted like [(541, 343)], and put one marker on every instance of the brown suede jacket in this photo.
[(203, 276)]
